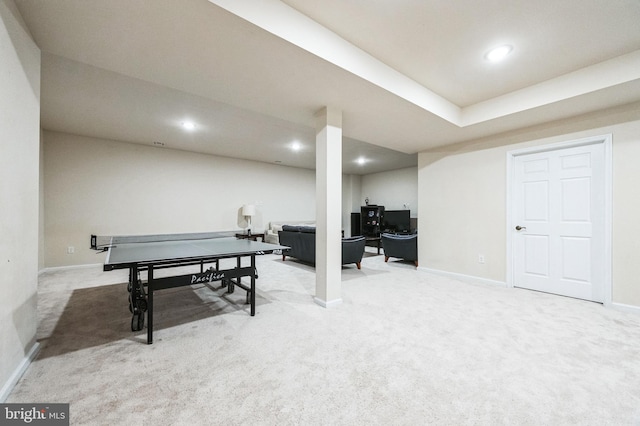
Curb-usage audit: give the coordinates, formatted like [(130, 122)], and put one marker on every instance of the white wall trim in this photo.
[(462, 277), (70, 267), (606, 140), (477, 280), (327, 304), (19, 371), (624, 308)]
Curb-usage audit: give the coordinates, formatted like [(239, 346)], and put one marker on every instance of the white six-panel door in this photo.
[(559, 221)]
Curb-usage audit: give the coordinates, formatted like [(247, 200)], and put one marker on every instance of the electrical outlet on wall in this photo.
[(480, 258), (71, 250)]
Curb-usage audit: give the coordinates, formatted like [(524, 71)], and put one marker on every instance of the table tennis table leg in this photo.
[(150, 305), (230, 284), (253, 284), (137, 299)]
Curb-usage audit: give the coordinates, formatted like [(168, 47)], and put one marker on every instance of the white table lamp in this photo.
[(248, 210)]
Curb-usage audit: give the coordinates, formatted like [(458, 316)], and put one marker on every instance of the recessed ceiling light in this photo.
[(296, 146), (361, 161), (497, 54), (189, 125)]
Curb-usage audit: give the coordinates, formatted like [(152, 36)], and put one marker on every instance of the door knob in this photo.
[(520, 228)]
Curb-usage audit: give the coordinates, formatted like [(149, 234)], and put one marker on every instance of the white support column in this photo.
[(328, 207)]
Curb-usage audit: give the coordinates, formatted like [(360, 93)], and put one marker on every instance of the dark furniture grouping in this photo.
[(373, 220), (302, 243), (400, 246), (252, 236)]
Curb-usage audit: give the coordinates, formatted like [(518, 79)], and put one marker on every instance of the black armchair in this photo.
[(353, 250), (400, 246)]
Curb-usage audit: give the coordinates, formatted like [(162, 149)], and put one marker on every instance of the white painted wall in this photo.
[(463, 201), (109, 187), (19, 181), (41, 205), (351, 190), (463, 213), (113, 188), (393, 189)]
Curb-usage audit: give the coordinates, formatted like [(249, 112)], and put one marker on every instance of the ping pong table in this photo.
[(151, 253)]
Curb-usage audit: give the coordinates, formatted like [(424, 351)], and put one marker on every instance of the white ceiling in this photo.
[(409, 75)]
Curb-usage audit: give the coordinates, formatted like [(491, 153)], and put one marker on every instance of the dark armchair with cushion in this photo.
[(400, 246), (353, 250)]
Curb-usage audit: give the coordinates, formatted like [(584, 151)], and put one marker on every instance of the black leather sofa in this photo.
[(302, 243), (400, 246)]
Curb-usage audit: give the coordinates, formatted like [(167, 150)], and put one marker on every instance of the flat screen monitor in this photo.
[(397, 221)]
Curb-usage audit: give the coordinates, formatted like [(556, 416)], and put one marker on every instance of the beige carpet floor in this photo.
[(404, 348)]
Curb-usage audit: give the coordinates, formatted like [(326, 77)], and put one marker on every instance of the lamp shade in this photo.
[(248, 210)]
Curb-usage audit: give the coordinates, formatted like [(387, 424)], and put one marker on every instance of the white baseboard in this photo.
[(478, 280), (462, 277), (66, 268), (626, 308), (328, 304), (17, 374)]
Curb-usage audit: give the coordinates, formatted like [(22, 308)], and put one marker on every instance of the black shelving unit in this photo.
[(371, 220), (355, 225)]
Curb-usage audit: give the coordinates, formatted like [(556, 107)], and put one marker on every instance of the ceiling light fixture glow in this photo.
[(361, 161), (189, 125), (499, 53), (296, 146)]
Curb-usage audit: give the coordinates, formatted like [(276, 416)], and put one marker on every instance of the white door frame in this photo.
[(511, 178)]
